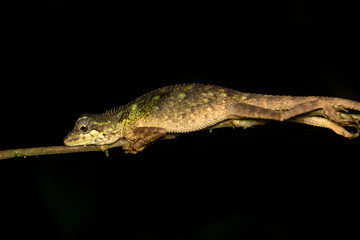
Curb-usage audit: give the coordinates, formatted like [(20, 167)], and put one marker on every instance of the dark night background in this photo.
[(61, 59)]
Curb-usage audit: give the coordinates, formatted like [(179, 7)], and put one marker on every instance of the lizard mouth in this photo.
[(76, 138)]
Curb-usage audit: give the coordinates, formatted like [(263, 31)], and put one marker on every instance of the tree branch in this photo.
[(25, 152)]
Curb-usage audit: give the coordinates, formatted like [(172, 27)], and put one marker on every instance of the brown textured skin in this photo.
[(186, 108)]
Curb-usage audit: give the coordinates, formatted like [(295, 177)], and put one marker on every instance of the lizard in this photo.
[(182, 108)]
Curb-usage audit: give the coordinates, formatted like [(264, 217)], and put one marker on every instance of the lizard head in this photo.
[(93, 129)]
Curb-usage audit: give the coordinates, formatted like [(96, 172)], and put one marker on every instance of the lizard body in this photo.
[(186, 108)]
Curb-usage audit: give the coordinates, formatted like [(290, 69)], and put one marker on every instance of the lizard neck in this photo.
[(119, 117), (125, 118)]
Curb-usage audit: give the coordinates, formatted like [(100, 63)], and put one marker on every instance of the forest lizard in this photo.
[(173, 110)]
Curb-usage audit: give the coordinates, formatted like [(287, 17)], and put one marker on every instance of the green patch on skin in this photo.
[(181, 95), (156, 97), (133, 107)]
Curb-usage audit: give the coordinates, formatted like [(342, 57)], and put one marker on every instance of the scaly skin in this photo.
[(186, 108)]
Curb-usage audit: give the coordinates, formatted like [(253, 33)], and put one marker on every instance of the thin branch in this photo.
[(26, 152)]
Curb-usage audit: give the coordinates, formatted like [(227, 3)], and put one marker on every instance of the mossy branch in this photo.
[(26, 152)]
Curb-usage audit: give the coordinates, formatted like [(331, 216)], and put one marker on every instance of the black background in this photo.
[(61, 59)]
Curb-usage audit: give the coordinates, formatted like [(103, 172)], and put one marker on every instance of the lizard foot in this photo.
[(104, 147), (350, 122), (355, 125), (130, 148), (333, 115)]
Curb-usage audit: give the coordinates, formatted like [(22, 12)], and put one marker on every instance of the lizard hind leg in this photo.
[(330, 118), (242, 110)]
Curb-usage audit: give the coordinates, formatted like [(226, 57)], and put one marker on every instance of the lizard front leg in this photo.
[(141, 137)]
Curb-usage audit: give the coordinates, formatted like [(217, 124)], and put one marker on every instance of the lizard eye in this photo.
[(83, 128), (83, 124)]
